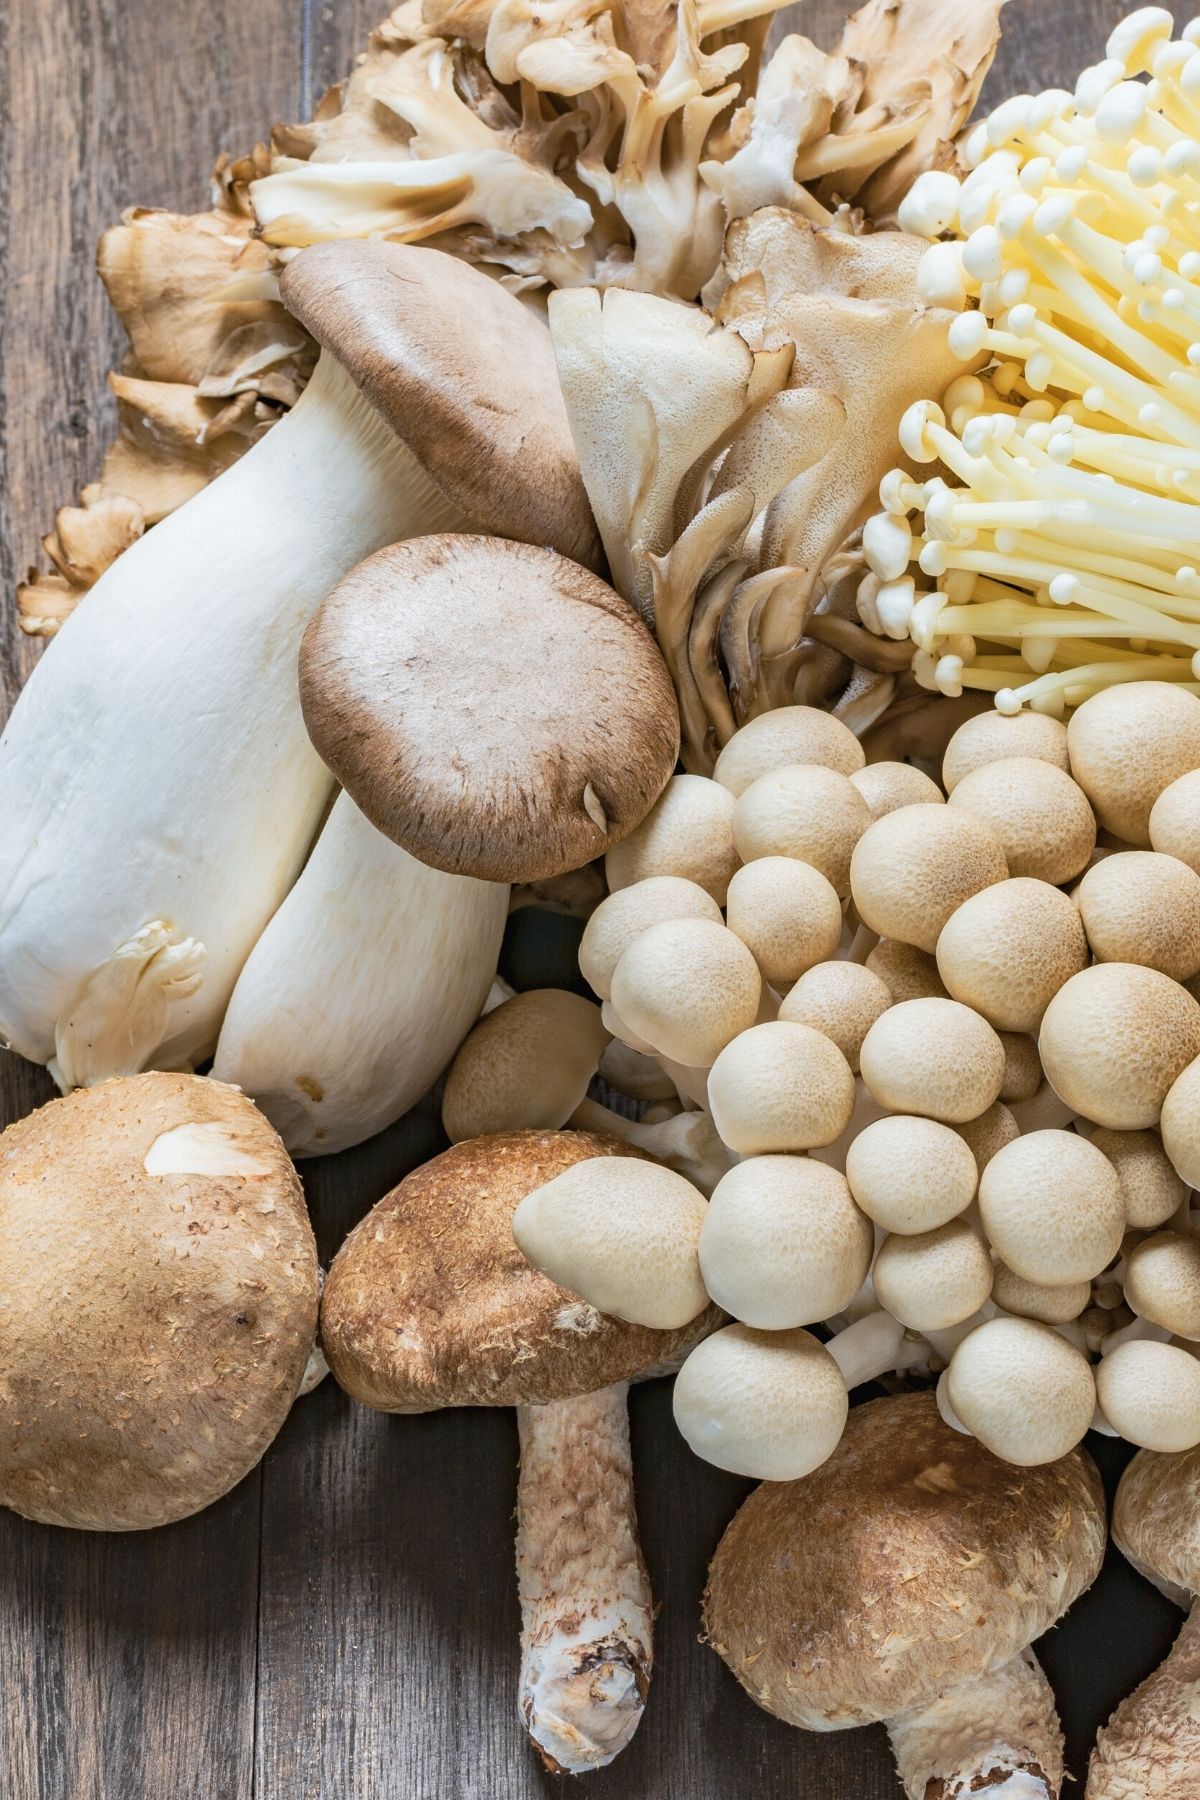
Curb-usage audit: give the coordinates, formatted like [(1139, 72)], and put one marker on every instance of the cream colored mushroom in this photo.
[(1051, 1204), (525, 1066), (687, 833), (1022, 1067), (1127, 744), (910, 1174), (887, 786), (1113, 1040), (623, 1234), (790, 734), (1180, 1124), (1150, 1188), (624, 915), (1043, 820), (1150, 1394), (1008, 949), (906, 972), (805, 811), (1050, 1304), (771, 1405), (1162, 1282), (783, 1243), (1138, 906), (1175, 820), (687, 987), (1022, 1390), (780, 1087), (787, 914), (840, 999), (988, 1134), (913, 868), (934, 1279), (992, 737), (933, 1057)]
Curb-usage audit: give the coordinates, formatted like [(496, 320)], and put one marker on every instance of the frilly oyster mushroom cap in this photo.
[(430, 1302), (492, 707), (157, 1304), (911, 1561), (490, 430)]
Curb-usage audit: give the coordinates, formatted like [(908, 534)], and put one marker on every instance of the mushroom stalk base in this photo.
[(996, 1736), (1151, 1745), (586, 1606)]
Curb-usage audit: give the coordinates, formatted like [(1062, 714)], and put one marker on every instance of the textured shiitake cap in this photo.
[(479, 404), (491, 707), (430, 1301), (909, 1562), (157, 1305), (1156, 1520)]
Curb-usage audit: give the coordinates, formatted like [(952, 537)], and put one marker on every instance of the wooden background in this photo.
[(344, 1625)]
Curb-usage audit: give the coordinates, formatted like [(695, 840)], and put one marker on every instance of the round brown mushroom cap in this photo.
[(1139, 906), (909, 1562), (906, 972), (1008, 949), (1150, 1188), (479, 405), (994, 737), (914, 867), (1126, 744), (1114, 1039), (159, 1300), (1040, 815), (431, 1303), (1156, 1519), (491, 707)]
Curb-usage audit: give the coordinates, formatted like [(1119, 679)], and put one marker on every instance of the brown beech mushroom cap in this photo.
[(688, 833), (1140, 907), (906, 1577), (1162, 1283), (431, 1303), (987, 1135), (803, 810), (910, 1174), (913, 868), (630, 911), (992, 737), (1129, 742), (1052, 1305), (494, 709), (767, 1404), (1022, 1390), (160, 1300), (787, 914), (1150, 1188), (1150, 1394), (494, 437), (525, 1066), (1022, 1067), (934, 1279), (1051, 1205), (788, 734), (780, 1087), (933, 1057), (1181, 1124), (1114, 1039), (1175, 820), (687, 987), (840, 999), (887, 786), (1043, 820), (1008, 949), (906, 972)]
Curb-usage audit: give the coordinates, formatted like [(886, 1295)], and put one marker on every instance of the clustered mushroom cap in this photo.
[(803, 810), (1051, 1205), (787, 735), (1127, 744), (1022, 1067), (987, 1135), (887, 786), (914, 867), (1162, 1282), (783, 1243), (1139, 906), (993, 737), (1175, 820), (1154, 1519), (430, 1301), (525, 1066), (780, 1087), (933, 1057), (1180, 1123), (688, 987), (160, 1300), (1045, 826), (840, 999), (1008, 949), (906, 972), (787, 914), (934, 1279), (1150, 1188), (910, 1174), (629, 911), (1022, 1390), (970, 1559), (1150, 1394), (1113, 1040), (1052, 1304), (770, 1405), (688, 833)]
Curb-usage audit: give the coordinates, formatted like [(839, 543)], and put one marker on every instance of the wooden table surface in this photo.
[(344, 1624)]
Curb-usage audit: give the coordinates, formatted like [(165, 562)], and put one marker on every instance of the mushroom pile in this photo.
[(944, 1047)]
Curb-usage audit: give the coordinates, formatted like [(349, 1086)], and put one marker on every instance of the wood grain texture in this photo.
[(343, 1626)]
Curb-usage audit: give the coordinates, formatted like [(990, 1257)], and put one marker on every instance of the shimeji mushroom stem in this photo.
[(586, 1607), (1151, 1745), (998, 1734)]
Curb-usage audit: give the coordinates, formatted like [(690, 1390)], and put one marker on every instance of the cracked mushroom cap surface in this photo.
[(430, 1302), (490, 706), (909, 1562), (462, 372), (158, 1300)]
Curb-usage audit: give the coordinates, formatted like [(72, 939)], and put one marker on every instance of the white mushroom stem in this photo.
[(998, 1735), (1151, 1745), (687, 1143), (586, 1607), (873, 1346)]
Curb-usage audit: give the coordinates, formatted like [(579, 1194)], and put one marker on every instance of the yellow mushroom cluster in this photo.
[(945, 1039)]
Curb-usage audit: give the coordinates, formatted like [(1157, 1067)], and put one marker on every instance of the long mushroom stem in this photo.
[(1151, 1745), (586, 1606), (998, 1735)]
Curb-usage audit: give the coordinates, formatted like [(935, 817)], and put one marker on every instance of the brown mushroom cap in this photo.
[(1156, 1519), (490, 429), (159, 1300), (430, 1301), (909, 1562), (491, 707)]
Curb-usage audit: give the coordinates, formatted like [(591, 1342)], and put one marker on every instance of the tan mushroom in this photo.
[(1043, 820), (806, 811), (992, 737), (907, 973), (689, 833), (1114, 1039), (787, 914), (628, 912), (911, 1175), (525, 1066), (1150, 1188), (687, 987), (785, 736), (1138, 906), (1129, 742), (1022, 1067), (1051, 1205), (887, 786), (913, 868), (812, 1575), (840, 999), (933, 1057), (1150, 1393), (1051, 1304), (160, 1300), (1162, 1283), (1180, 1124), (1022, 1390), (933, 1279), (767, 1404), (1175, 820), (780, 1087), (1007, 950), (987, 1135)]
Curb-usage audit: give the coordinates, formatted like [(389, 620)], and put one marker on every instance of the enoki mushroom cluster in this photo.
[(946, 1040)]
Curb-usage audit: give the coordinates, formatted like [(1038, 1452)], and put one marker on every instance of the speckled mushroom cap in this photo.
[(493, 708), (1156, 1520), (490, 429), (158, 1300), (431, 1303), (909, 1562)]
